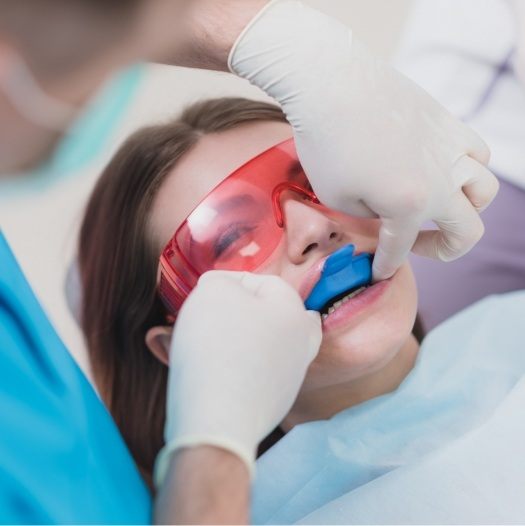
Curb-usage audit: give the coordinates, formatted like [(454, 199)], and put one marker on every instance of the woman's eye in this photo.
[(229, 237)]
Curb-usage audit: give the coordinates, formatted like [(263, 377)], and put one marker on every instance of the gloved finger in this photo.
[(316, 323), (271, 288), (218, 275), (479, 184), (314, 315), (341, 202), (277, 290), (316, 333), (396, 238), (475, 146), (459, 230), (252, 283), (356, 208)]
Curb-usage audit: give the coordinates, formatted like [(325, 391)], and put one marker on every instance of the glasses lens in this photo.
[(236, 226), (234, 229)]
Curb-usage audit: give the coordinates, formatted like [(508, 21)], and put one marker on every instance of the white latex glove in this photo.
[(240, 351), (371, 141)]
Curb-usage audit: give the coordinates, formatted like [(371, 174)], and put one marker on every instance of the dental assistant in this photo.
[(372, 143)]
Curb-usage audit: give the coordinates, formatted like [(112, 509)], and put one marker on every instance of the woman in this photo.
[(365, 354)]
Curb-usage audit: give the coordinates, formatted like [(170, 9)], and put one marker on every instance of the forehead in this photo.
[(213, 159)]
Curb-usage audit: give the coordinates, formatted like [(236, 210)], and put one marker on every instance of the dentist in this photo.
[(372, 143)]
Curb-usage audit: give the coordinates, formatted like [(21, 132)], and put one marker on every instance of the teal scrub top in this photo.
[(62, 459)]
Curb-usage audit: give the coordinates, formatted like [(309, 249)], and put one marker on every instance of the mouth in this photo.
[(340, 299), (344, 314), (343, 276)]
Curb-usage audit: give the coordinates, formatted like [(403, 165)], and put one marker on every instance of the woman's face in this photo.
[(362, 335)]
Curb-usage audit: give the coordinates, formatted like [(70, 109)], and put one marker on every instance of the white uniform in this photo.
[(462, 52)]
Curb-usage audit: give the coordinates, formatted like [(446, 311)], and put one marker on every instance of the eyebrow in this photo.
[(235, 201)]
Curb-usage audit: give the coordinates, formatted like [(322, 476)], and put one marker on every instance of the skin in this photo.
[(367, 355), (196, 33), (202, 471)]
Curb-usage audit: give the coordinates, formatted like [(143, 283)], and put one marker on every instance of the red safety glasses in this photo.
[(237, 226)]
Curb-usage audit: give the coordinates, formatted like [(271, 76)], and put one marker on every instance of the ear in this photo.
[(158, 341)]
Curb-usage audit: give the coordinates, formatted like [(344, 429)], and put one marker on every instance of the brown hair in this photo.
[(118, 267)]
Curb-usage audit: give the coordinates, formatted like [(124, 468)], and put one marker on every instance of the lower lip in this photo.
[(360, 303)]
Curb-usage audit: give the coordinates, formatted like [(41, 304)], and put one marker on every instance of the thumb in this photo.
[(316, 333), (396, 238), (272, 288)]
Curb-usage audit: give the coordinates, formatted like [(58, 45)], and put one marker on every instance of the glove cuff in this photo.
[(164, 457), (254, 20)]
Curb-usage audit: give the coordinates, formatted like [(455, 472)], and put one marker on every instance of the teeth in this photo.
[(342, 301), (353, 294)]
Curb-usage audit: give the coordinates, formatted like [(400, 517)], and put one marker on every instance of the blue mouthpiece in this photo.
[(342, 272)]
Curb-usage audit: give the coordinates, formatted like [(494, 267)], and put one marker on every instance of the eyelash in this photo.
[(227, 238)]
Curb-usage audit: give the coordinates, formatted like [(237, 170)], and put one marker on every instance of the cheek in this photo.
[(278, 265), (374, 342)]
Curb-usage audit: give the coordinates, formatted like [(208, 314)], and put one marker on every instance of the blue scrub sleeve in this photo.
[(62, 459)]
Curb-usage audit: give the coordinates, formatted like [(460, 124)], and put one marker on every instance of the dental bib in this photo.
[(342, 272)]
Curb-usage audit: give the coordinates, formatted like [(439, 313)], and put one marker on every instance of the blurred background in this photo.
[(43, 230)]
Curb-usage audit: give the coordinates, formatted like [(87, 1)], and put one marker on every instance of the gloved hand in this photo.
[(371, 141), (240, 351)]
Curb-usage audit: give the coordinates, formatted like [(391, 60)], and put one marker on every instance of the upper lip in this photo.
[(311, 278), (313, 274)]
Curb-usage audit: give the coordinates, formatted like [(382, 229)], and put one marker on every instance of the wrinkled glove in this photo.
[(240, 351), (371, 141)]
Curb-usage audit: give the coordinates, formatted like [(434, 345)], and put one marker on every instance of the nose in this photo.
[(309, 231)]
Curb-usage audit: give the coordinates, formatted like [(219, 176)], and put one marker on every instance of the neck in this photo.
[(323, 403)]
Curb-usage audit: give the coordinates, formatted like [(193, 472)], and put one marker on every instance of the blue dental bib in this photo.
[(342, 272)]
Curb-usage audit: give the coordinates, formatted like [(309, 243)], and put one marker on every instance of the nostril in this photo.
[(333, 235), (309, 248)]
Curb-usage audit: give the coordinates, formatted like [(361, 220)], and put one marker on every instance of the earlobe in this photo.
[(158, 342)]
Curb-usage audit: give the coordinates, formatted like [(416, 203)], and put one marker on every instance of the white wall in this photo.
[(43, 230)]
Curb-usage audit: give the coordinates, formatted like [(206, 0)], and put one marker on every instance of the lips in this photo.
[(349, 311), (340, 287), (343, 272), (333, 304), (311, 278), (313, 275)]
